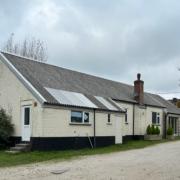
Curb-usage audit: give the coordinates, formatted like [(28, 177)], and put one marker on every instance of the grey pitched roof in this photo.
[(171, 108), (42, 75)]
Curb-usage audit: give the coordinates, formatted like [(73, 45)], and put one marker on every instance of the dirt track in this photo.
[(157, 162)]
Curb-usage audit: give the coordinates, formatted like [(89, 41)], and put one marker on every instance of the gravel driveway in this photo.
[(156, 162)]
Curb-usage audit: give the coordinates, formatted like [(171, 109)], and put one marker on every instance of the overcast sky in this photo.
[(114, 39)]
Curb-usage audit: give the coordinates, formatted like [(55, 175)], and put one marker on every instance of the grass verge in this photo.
[(7, 160)]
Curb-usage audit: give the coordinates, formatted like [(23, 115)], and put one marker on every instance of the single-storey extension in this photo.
[(54, 108)]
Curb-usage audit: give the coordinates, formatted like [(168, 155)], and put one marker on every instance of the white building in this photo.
[(55, 108)]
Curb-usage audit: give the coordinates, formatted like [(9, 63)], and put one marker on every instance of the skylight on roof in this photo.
[(71, 98), (106, 103)]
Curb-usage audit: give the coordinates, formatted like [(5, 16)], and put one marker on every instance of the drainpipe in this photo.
[(94, 128), (165, 125), (133, 119)]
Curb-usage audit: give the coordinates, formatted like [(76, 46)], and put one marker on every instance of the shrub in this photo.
[(6, 128), (149, 130), (170, 131), (152, 130), (157, 130)]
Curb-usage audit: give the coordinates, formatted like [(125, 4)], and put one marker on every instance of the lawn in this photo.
[(7, 160)]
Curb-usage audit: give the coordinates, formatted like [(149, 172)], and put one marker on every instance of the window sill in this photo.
[(156, 124), (109, 123), (80, 124)]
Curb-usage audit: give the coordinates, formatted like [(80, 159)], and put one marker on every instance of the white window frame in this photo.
[(157, 118), (83, 115)]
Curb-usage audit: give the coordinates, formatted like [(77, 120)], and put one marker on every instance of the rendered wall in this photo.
[(143, 118), (13, 95), (57, 123), (127, 128)]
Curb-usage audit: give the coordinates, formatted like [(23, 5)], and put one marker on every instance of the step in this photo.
[(22, 145), (12, 152), (20, 148), (16, 148)]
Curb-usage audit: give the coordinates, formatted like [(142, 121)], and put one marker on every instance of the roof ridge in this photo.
[(24, 57)]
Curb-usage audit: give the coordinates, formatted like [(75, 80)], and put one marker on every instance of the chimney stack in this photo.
[(139, 90)]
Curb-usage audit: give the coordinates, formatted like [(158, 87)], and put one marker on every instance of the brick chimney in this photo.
[(139, 90)]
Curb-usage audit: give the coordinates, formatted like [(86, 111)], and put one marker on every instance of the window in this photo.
[(86, 117), (155, 118), (76, 116), (26, 116), (126, 114), (158, 118), (79, 117), (173, 123), (109, 118)]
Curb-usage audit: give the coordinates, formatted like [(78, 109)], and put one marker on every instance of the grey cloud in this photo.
[(113, 39)]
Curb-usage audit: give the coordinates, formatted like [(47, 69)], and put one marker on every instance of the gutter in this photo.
[(134, 102), (56, 105), (173, 113)]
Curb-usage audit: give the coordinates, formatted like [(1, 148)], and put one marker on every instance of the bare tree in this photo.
[(29, 47)]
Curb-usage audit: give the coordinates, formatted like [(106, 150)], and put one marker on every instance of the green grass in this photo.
[(7, 160)]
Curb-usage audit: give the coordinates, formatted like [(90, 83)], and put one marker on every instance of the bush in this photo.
[(152, 130), (6, 128), (157, 130), (149, 130), (170, 131)]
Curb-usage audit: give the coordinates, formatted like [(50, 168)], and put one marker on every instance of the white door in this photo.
[(26, 121), (118, 138)]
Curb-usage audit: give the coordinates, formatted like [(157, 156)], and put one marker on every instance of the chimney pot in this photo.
[(138, 76)]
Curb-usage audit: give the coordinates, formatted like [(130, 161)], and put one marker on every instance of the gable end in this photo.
[(22, 79)]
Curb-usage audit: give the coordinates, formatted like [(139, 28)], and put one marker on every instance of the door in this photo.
[(118, 138), (173, 124), (26, 123)]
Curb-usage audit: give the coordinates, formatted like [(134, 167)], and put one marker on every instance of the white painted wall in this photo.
[(143, 117), (57, 123), (46, 122), (103, 128), (13, 95), (127, 127)]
